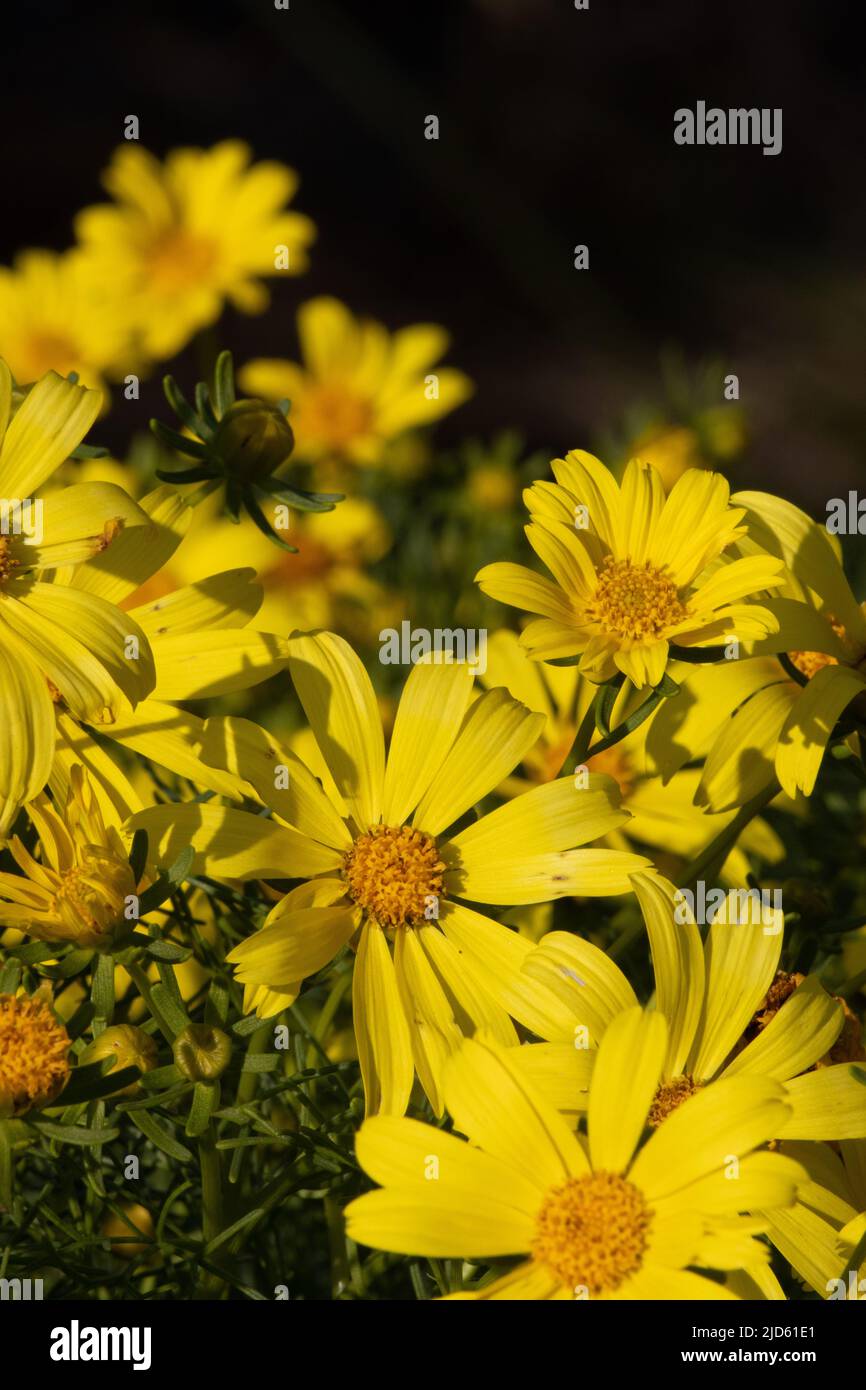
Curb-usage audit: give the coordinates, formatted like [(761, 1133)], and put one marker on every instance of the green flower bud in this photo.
[(131, 1046), (252, 439), (202, 1053)]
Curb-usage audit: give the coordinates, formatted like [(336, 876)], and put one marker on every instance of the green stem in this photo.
[(210, 1167), (721, 845), (581, 748), (139, 977)]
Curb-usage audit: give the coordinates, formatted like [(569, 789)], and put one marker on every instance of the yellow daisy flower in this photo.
[(202, 646), (184, 236), (609, 1218), (360, 386), (34, 1055), (664, 816), (56, 642), (772, 722), (730, 1010), (57, 314), (390, 861), (83, 888), (633, 570), (326, 584), (818, 1235)]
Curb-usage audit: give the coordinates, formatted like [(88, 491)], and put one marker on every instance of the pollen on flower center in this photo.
[(592, 1232), (89, 898), (810, 663), (669, 1096), (394, 872), (635, 601), (7, 563), (34, 1050)]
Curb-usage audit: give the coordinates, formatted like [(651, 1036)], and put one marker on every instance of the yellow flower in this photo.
[(83, 889), (611, 1218), (326, 584), (56, 313), (56, 642), (202, 646), (34, 1048), (360, 386), (634, 570), (127, 1046), (664, 816), (818, 1235), (184, 236), (765, 725), (730, 1011), (387, 859), (670, 449)]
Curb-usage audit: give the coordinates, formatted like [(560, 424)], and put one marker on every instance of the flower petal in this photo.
[(52, 420), (625, 1078), (678, 964), (340, 704), (381, 1030), (250, 753), (233, 844), (496, 733), (741, 960), (26, 731), (497, 1109), (428, 719), (803, 1030)]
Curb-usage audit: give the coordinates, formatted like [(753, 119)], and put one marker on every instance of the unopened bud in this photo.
[(202, 1053), (252, 439)]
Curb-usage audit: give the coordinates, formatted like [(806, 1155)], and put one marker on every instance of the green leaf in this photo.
[(102, 988), (159, 1136), (182, 866), (168, 951), (72, 1134), (138, 855), (193, 448), (217, 1006), (205, 1100), (261, 1061), (96, 1080), (10, 977), (259, 519), (180, 405), (224, 383), (173, 1012)]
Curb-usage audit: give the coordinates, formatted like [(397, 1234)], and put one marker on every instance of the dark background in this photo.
[(556, 129)]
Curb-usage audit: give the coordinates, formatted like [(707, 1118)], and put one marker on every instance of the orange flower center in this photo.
[(34, 1049), (669, 1097), (178, 259), (48, 351), (810, 663), (616, 764), (7, 563), (592, 1232), (395, 874), (333, 416), (637, 602)]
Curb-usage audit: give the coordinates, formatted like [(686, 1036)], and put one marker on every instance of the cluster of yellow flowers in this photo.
[(691, 659)]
